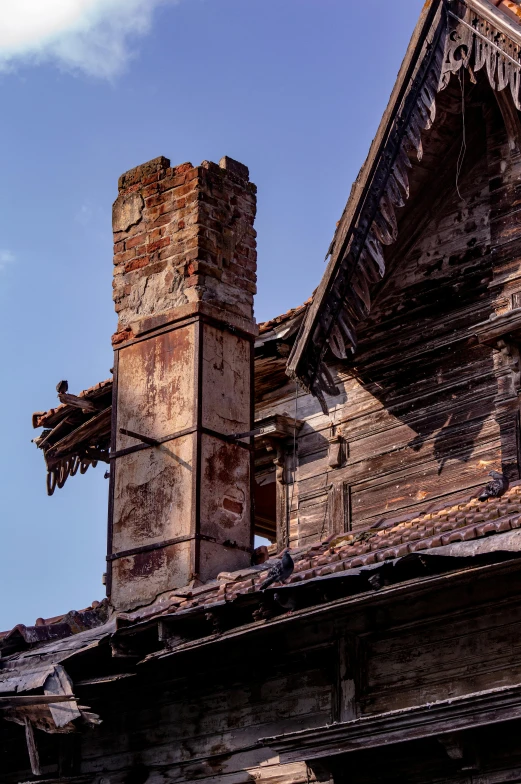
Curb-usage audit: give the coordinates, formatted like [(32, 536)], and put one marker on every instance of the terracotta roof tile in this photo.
[(278, 321), (510, 8), (359, 549), (53, 415)]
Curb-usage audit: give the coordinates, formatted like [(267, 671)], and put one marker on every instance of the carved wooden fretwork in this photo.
[(475, 43), (459, 37)]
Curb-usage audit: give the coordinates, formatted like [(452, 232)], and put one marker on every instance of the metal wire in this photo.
[(294, 463), (461, 156)]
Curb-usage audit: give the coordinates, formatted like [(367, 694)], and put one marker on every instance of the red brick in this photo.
[(153, 201), (162, 243), (162, 220), (150, 190), (121, 258), (185, 167), (136, 264), (150, 179), (138, 239), (120, 337)]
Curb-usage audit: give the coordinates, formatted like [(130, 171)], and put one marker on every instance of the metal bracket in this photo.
[(139, 437)]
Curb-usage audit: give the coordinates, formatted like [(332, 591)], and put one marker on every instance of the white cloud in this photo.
[(6, 257), (94, 36), (84, 215)]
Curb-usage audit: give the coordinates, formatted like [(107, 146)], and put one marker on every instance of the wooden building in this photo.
[(357, 430)]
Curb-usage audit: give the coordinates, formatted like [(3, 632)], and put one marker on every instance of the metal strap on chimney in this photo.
[(149, 442), (177, 540)]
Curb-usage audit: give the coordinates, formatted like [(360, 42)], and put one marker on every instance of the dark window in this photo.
[(266, 505)]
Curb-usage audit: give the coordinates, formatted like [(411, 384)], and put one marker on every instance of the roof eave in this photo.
[(362, 181), (359, 225)]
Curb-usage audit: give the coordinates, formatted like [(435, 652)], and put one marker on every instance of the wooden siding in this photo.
[(418, 409)]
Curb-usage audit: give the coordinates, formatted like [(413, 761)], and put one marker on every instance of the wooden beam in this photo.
[(17, 700), (97, 426), (78, 402), (359, 606), (458, 713), (32, 749)]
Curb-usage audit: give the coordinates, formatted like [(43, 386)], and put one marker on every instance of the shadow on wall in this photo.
[(417, 355)]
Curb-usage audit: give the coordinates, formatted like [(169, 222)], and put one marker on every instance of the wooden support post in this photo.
[(32, 749), (283, 495), (346, 683), (340, 508)]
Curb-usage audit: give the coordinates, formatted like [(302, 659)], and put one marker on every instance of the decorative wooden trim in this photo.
[(458, 713)]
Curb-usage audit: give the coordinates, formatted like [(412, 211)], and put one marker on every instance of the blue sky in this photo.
[(292, 88)]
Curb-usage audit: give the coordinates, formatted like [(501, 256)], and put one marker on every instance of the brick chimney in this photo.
[(184, 279)]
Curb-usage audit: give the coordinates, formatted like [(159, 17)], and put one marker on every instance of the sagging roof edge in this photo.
[(415, 571), (62, 712), (434, 13), (338, 553)]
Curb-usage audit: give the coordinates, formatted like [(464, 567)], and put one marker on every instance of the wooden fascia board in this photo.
[(363, 179), (458, 713)]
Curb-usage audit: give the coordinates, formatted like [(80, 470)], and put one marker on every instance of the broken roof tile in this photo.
[(284, 318)]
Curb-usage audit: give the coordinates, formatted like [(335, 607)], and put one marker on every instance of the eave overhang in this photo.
[(450, 35), (330, 597)]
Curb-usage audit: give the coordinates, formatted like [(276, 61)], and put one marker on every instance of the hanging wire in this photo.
[(326, 511), (294, 464), (463, 149)]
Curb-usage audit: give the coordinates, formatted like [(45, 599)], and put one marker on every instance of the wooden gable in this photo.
[(470, 38), (411, 342)]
